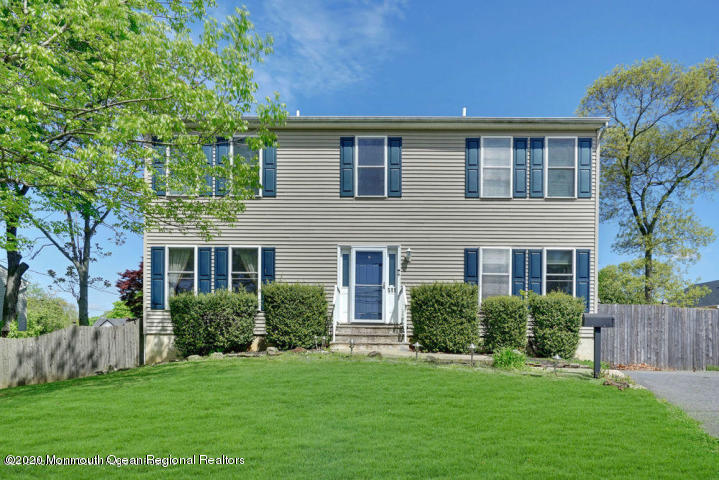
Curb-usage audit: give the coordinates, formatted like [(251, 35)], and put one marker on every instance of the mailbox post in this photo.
[(598, 322)]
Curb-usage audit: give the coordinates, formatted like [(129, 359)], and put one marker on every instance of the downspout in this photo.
[(595, 299)]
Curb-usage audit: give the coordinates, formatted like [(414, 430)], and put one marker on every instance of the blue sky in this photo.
[(515, 58)]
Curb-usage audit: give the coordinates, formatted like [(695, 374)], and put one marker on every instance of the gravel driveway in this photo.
[(697, 393)]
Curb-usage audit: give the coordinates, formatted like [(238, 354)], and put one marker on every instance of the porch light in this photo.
[(409, 255), (416, 346), (472, 348)]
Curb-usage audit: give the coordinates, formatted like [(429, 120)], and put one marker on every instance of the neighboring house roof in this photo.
[(712, 299), (111, 322)]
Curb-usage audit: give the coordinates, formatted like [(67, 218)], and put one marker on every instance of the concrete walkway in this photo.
[(697, 393)]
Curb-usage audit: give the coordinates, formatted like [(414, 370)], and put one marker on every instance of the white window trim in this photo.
[(357, 167), (511, 166), (167, 271), (259, 268), (481, 269), (546, 165), (574, 267)]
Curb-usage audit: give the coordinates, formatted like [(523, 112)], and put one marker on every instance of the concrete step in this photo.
[(374, 347)]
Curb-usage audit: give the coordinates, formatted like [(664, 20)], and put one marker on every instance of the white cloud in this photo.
[(321, 46)]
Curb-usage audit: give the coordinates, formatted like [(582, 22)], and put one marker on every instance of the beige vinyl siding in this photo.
[(308, 219)]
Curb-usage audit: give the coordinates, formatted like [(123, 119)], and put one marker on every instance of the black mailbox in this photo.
[(598, 321)]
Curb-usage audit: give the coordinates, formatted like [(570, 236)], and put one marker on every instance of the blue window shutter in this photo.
[(393, 269), (471, 265), (269, 172), (582, 289), (157, 278), (268, 265), (222, 152), (159, 165), (347, 166), (221, 254), (520, 168), (345, 269), (519, 263), (204, 273), (584, 181), (535, 271), (471, 168), (536, 170), (394, 156), (207, 190)]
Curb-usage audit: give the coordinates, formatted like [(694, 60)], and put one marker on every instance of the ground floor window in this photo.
[(244, 269), (495, 267), (180, 270), (560, 271)]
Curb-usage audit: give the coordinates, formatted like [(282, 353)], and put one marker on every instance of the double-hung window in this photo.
[(561, 167), (496, 167), (241, 152), (371, 165), (495, 271), (559, 271), (244, 269), (180, 270)]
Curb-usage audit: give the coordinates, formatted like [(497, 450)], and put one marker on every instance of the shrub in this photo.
[(505, 323), (215, 322), (556, 320), (294, 314), (509, 359), (444, 316)]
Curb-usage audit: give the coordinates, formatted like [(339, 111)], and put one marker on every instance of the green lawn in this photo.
[(331, 417)]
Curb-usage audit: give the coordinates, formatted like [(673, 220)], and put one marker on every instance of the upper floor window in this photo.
[(560, 271), (561, 167), (371, 158), (496, 167), (180, 270), (495, 271)]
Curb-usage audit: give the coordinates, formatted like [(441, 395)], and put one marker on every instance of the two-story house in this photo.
[(371, 206)]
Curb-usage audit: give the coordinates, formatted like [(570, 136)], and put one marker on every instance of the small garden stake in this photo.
[(416, 350), (472, 346)]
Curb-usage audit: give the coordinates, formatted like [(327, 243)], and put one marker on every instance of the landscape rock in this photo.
[(431, 359), (194, 358), (298, 350), (216, 355), (272, 351), (374, 354)]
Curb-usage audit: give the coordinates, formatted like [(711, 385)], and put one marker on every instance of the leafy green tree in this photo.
[(625, 284), (89, 85), (45, 313), (658, 154)]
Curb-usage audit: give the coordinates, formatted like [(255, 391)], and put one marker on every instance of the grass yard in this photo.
[(330, 417)]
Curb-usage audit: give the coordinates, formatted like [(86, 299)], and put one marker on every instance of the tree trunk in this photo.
[(648, 273), (15, 270), (83, 274)]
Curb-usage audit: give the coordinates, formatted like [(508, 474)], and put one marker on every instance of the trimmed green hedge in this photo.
[(556, 321), (294, 314), (215, 322), (505, 323), (445, 317)]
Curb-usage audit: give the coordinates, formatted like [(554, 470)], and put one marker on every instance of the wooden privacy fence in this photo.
[(68, 353), (661, 336)]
